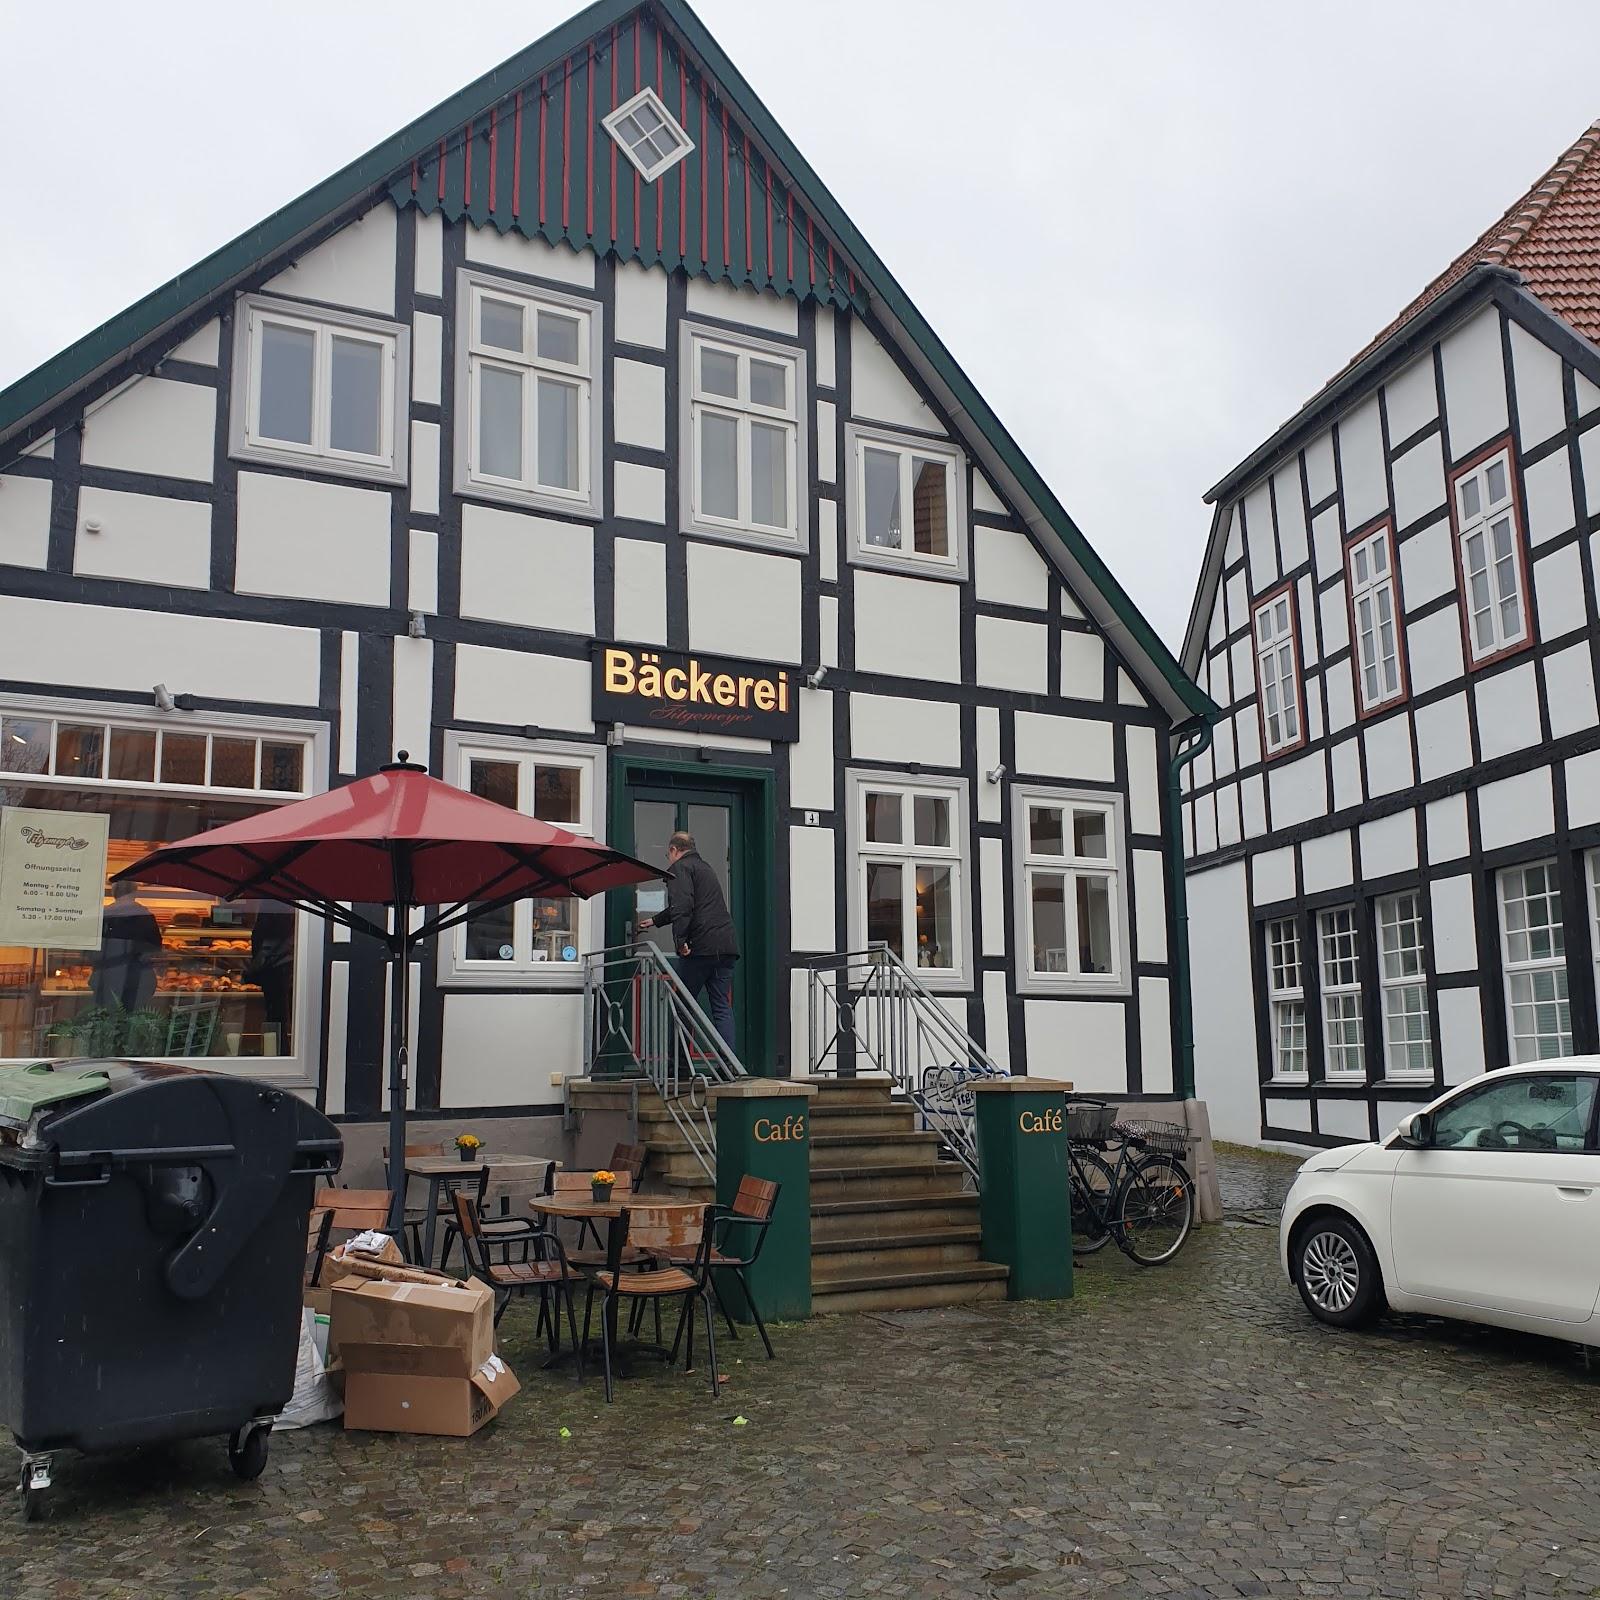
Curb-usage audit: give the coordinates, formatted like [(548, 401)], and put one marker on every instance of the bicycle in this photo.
[(1144, 1200)]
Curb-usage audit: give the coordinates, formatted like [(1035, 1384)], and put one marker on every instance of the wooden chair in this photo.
[(575, 1186), (629, 1158), (547, 1274), (498, 1232), (321, 1225), (658, 1231), (750, 1215), (416, 1217)]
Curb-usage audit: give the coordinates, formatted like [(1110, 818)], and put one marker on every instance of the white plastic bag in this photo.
[(315, 1399)]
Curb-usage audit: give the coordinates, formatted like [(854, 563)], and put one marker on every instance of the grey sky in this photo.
[(1148, 231)]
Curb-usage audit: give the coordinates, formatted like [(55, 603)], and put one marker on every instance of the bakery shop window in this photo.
[(175, 974)]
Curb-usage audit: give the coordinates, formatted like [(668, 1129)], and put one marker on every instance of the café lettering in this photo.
[(1040, 1121), (789, 1131)]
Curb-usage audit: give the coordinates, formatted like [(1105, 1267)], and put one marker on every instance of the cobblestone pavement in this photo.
[(1186, 1431)]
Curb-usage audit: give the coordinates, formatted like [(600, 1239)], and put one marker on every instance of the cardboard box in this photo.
[(385, 1402), (320, 1300), (452, 1323)]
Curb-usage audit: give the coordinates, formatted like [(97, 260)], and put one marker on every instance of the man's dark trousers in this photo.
[(714, 974)]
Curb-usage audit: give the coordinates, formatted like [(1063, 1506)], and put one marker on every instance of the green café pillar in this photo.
[(1022, 1184), (764, 1131)]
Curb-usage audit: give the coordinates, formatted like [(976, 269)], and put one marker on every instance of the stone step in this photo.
[(871, 1148), (889, 1180), (851, 1257), (877, 1117), (890, 1218), (873, 1090), (918, 1289)]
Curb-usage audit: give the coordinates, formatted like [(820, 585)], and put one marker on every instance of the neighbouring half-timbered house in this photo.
[(575, 441), (1394, 841)]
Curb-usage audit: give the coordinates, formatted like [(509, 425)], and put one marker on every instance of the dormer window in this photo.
[(649, 135)]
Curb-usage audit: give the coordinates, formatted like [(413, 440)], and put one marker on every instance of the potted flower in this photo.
[(468, 1145), (600, 1185)]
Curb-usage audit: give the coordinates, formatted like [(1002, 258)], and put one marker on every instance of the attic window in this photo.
[(649, 136)]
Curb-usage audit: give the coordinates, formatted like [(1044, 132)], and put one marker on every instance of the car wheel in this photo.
[(1337, 1272)]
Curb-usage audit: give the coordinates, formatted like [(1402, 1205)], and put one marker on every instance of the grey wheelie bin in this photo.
[(152, 1242)]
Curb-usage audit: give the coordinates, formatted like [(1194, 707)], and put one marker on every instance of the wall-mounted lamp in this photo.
[(617, 737), (165, 700), (995, 774), (91, 525), (815, 679), (417, 626)]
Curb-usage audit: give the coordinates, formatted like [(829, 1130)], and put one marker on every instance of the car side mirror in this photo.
[(1416, 1131)]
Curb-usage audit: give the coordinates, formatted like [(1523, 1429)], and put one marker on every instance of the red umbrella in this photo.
[(400, 839)]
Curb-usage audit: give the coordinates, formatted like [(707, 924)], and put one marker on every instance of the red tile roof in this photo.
[(1551, 236)]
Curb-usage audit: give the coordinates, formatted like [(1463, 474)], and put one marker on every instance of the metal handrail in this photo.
[(867, 1006), (636, 1007)]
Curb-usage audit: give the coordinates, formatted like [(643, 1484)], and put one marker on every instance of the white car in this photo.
[(1484, 1207)]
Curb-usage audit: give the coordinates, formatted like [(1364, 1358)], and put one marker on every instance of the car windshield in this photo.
[(1528, 1112)]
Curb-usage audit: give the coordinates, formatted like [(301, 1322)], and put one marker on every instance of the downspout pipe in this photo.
[(1191, 741)]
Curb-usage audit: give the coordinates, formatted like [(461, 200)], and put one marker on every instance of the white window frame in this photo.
[(693, 404), (1591, 870), (522, 971), (302, 1069), (1286, 990), (1025, 798), (958, 855), (858, 440), (649, 170), (471, 358), (1516, 966), (1402, 981), (1503, 640), (1272, 649), (1379, 593), (247, 443), (1344, 1052)]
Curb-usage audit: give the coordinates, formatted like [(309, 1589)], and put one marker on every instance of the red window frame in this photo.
[(1290, 588), (1384, 525), (1519, 527)]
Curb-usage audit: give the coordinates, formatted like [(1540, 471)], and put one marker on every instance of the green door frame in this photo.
[(755, 788)]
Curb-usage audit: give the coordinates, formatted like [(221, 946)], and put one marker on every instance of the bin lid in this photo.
[(26, 1090)]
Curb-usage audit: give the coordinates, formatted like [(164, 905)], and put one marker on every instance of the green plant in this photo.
[(112, 1031)]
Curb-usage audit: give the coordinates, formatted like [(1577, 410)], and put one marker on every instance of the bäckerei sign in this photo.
[(647, 687)]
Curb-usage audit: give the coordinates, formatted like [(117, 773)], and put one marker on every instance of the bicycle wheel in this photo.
[(1091, 1171), (1154, 1210)]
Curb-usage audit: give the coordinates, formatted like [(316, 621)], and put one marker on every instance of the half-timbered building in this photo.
[(1394, 840), (575, 441)]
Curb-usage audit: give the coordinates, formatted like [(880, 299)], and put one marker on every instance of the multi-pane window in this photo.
[(910, 872), (1278, 673), (1402, 978), (907, 505), (529, 376), (318, 386), (1493, 580), (1374, 619), (1592, 874), (1534, 955), (1286, 998), (544, 936), (1339, 940), (1071, 889), (649, 134), (744, 423)]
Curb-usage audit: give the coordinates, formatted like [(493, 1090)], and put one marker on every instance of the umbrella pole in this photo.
[(399, 1020)]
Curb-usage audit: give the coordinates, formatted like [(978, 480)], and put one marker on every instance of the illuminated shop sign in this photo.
[(647, 687)]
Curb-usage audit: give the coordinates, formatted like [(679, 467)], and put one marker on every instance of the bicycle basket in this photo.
[(1170, 1138), (1089, 1121)]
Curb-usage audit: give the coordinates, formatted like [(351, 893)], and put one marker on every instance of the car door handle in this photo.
[(1577, 1194)]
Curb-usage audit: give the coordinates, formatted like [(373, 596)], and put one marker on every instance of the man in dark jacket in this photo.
[(702, 931)]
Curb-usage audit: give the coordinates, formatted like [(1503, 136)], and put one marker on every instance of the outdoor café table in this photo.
[(437, 1170), (358, 1209)]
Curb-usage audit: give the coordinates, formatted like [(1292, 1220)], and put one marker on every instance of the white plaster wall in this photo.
[(518, 253), (500, 1049), (640, 493), (1508, 710), (1341, 697), (1418, 481), (744, 603), (1291, 510), (1013, 654), (109, 647), (1433, 649), (1259, 542), (1589, 456), (996, 1016), (1444, 739), (1474, 382), (1332, 607), (1427, 565), (1455, 940), (641, 590), (827, 437), (1569, 690), (1411, 399), (1320, 481), (1388, 746), (1253, 806), (516, 688), (1155, 1036), (315, 541), (353, 268), (1150, 904), (1389, 845), (887, 728), (989, 794), (811, 757), (827, 374), (1272, 879), (1516, 808), (422, 571), (1007, 569), (1144, 780), (992, 896), (879, 391), (201, 347), (1446, 821), (1547, 497), (1081, 1042), (906, 626), (413, 717), (1541, 406), (424, 468), (1325, 861), (1063, 747), (1460, 1035), (427, 357), (1343, 1119), (1295, 1114), (1366, 493), (143, 538), (157, 426), (640, 398), (1583, 788), (756, 308), (1345, 758), (641, 305), (532, 571), (24, 522), (1559, 588), (811, 889), (1083, 668), (429, 253), (1223, 1003), (1298, 789)]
